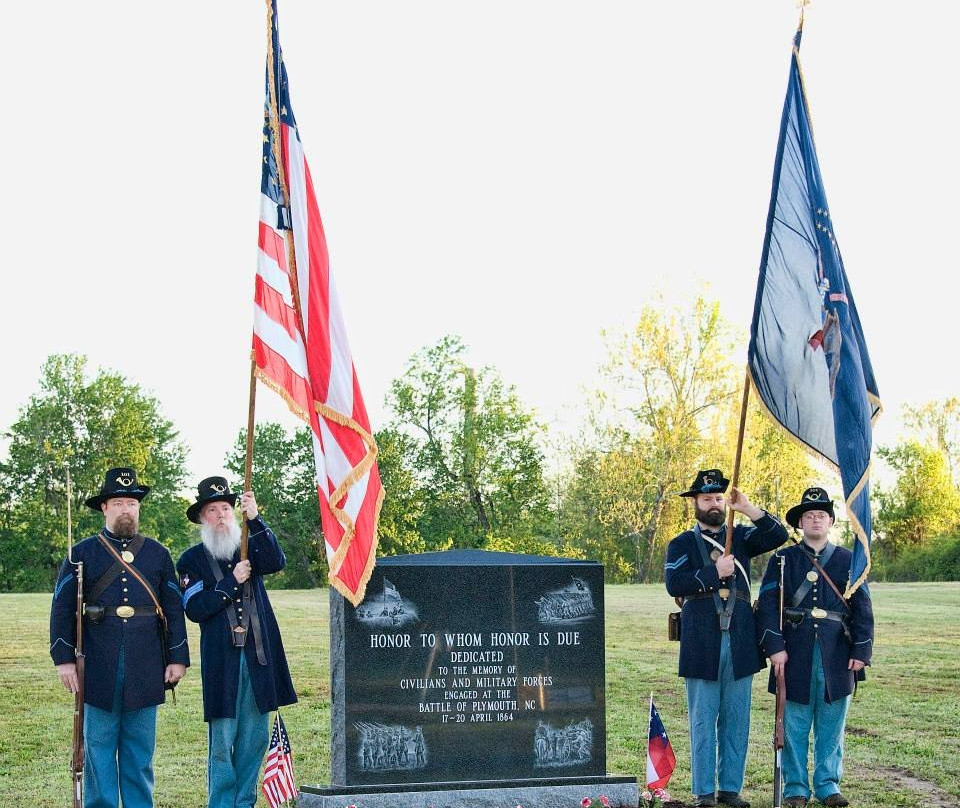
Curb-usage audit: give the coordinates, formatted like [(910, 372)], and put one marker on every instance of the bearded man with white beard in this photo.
[(718, 649), (242, 663)]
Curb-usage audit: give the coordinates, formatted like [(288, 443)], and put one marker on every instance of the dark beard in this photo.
[(125, 527), (714, 517)]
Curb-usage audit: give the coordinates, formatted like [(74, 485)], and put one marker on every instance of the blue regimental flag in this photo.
[(808, 360)]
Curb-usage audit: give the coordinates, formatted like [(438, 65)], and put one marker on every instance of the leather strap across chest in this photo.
[(113, 571), (118, 560), (250, 618), (724, 608), (802, 590)]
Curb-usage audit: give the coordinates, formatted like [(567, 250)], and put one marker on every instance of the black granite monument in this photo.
[(470, 670)]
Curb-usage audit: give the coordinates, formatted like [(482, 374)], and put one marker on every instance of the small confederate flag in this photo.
[(278, 782), (660, 758)]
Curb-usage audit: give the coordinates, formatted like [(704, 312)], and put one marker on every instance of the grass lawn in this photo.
[(903, 730)]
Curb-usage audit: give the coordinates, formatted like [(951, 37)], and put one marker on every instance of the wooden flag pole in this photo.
[(735, 477), (274, 125), (248, 463)]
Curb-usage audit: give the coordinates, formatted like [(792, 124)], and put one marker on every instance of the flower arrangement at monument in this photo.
[(601, 802), (655, 797)]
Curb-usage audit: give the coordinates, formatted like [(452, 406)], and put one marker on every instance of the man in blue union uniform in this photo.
[(822, 644), (242, 663), (127, 666), (718, 646)]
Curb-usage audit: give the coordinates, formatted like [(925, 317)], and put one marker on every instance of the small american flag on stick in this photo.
[(278, 781)]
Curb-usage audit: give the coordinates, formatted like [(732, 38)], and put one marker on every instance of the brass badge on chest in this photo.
[(812, 576), (127, 556), (715, 554)]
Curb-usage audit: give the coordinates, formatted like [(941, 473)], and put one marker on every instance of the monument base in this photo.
[(540, 793)]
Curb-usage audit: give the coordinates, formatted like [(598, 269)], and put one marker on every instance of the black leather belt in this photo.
[(816, 613), (129, 611), (741, 595)]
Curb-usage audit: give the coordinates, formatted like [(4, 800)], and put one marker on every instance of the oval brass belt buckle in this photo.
[(724, 593), (819, 613), (125, 611), (240, 630)]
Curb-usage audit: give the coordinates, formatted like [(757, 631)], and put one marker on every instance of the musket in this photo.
[(778, 720), (77, 764)]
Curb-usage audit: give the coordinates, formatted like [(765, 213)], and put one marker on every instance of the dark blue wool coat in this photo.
[(139, 635), (835, 648), (206, 601), (685, 575)]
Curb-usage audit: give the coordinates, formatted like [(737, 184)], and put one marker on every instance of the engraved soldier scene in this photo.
[(477, 460), (572, 603)]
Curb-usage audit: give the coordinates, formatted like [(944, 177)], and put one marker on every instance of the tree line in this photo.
[(466, 464)]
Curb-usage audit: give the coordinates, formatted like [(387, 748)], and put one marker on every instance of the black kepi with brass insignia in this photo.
[(212, 489), (708, 481), (118, 482), (814, 499)]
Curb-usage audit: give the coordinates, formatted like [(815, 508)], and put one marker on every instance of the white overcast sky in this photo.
[(524, 174)]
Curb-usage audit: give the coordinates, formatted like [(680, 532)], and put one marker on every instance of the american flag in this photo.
[(300, 341), (660, 758), (278, 781)]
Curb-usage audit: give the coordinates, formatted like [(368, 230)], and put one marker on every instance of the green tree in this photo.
[(402, 506), (603, 504), (937, 423), (775, 470), (922, 504), (90, 425), (284, 482), (472, 449), (666, 385)]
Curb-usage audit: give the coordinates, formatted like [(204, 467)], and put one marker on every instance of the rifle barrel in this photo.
[(778, 739), (78, 697)]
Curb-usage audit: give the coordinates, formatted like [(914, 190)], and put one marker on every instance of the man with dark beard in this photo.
[(125, 671), (243, 666), (718, 647)]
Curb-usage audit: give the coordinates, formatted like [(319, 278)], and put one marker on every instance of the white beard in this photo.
[(221, 542)]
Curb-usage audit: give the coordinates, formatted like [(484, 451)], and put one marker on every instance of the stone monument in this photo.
[(470, 678)]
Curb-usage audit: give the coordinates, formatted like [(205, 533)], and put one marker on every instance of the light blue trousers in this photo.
[(827, 722), (719, 727), (118, 749), (236, 749)]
